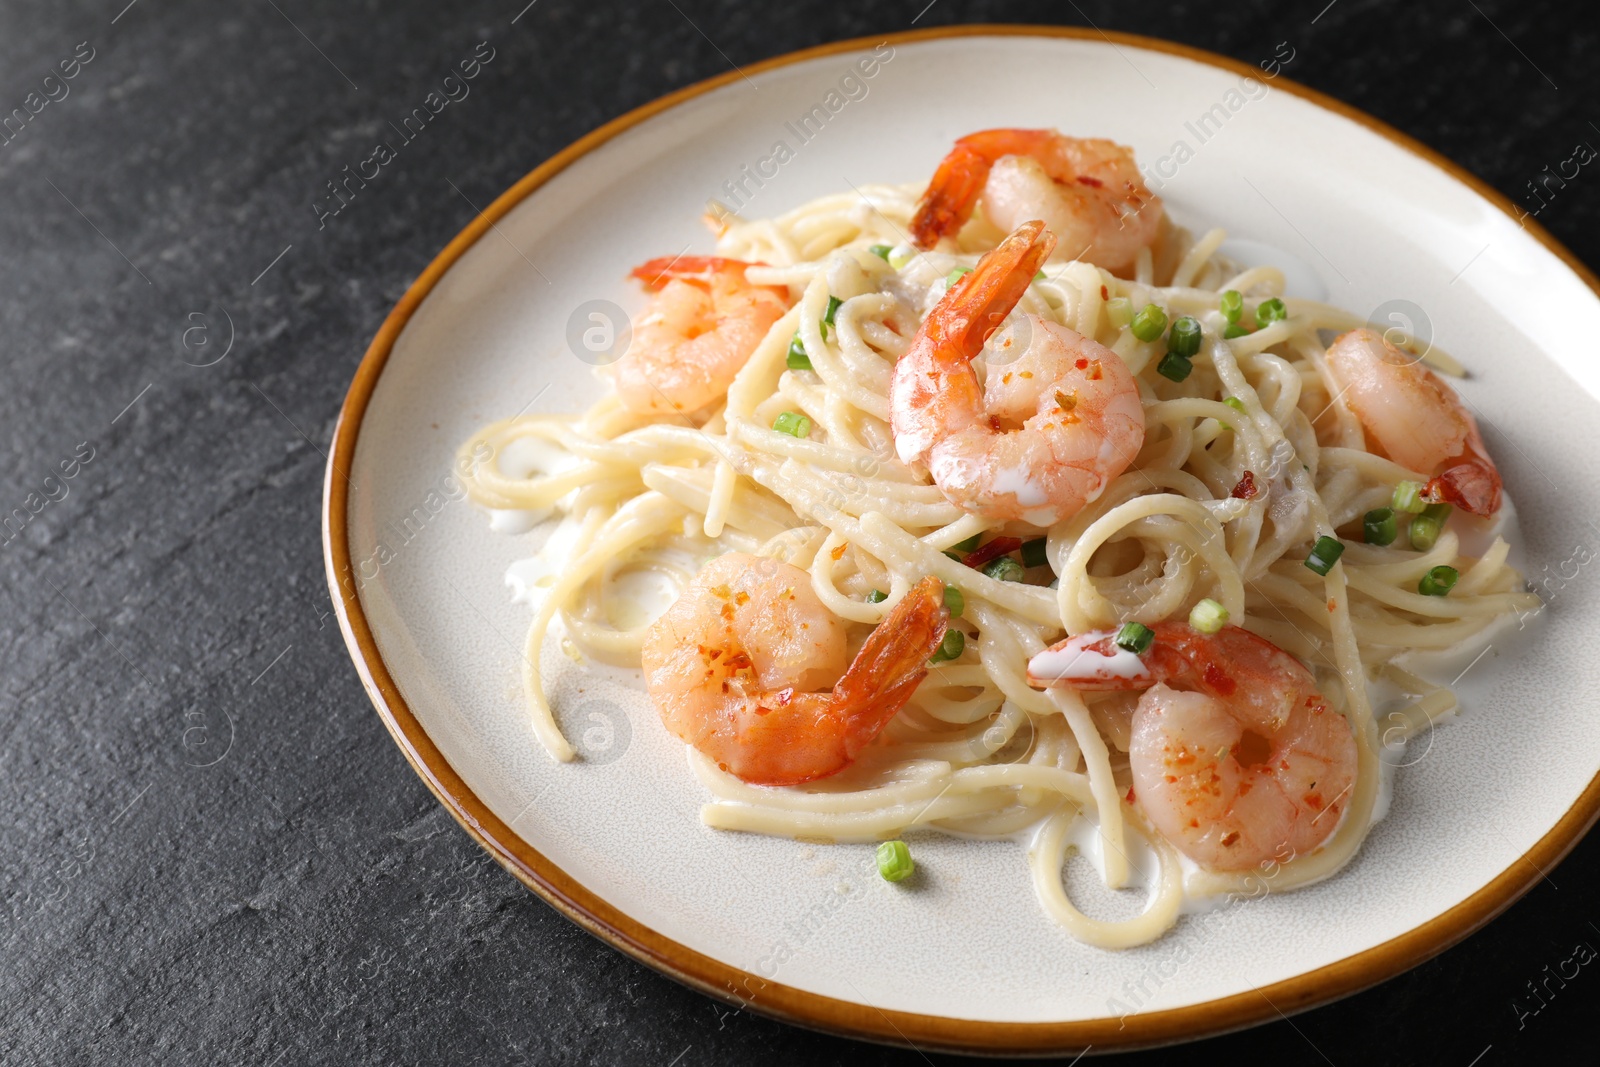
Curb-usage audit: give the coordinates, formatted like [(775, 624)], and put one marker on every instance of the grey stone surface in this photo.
[(210, 851)]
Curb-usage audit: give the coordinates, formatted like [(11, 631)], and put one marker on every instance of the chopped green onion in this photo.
[(1231, 304), (1208, 616), (955, 276), (1135, 637), (1408, 498), (1271, 311), (954, 602), (877, 596), (1184, 339), (1324, 554), (1438, 582), (894, 861), (833, 309), (1174, 366), (1039, 276), (1379, 526), (968, 545), (1437, 511), (792, 423), (1235, 403), (798, 359), (953, 554), (881, 251), (1150, 323), (1425, 528), (1234, 330), (1004, 569), (954, 643), (1119, 309), (900, 256), (1033, 553)]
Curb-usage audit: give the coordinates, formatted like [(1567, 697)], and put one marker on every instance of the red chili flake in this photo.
[(1231, 839), (1095, 370), (1129, 797), (1333, 605), (1000, 546), (1082, 363), (1093, 183), (1246, 489), (838, 553), (1105, 294)]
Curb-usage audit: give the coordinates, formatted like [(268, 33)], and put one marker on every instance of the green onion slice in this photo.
[(1150, 323), (792, 423), (1004, 569), (1208, 616), (877, 596), (881, 251), (1324, 554), (1135, 637), (1231, 304), (1379, 526), (1184, 338), (1438, 581), (1033, 554), (954, 643), (833, 309), (798, 359), (1174, 366), (954, 602), (1408, 498)]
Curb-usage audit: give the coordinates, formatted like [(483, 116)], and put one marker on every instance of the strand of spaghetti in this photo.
[(1046, 857), (639, 519), (1107, 804), (1076, 586)]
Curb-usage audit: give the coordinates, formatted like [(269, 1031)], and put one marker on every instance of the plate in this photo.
[(968, 960)]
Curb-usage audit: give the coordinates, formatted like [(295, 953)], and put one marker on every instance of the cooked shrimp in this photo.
[(1088, 192), (733, 668), (1049, 427), (1417, 420), (699, 329), (1236, 757)]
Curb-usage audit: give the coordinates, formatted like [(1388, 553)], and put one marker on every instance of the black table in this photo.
[(212, 852)]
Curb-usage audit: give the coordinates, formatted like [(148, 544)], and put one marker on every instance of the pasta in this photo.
[(1243, 462)]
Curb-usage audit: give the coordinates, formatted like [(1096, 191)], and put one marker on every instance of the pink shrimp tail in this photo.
[(980, 301), (958, 182), (1470, 482), (891, 664)]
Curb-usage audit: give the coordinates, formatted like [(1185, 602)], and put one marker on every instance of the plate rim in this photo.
[(746, 990)]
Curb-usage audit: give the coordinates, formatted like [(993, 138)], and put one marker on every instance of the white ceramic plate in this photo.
[(968, 960)]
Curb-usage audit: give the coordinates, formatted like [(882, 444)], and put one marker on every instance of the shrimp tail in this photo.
[(891, 664), (948, 202), (1471, 482), (983, 297)]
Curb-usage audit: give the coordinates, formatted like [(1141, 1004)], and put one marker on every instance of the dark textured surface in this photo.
[(303, 898)]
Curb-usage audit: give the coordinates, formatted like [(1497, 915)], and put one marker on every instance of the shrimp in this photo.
[(1089, 192), (699, 329), (1048, 429), (734, 664), (1417, 420), (1236, 757)]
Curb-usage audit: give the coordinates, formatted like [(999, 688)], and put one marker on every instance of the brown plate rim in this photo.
[(787, 1003)]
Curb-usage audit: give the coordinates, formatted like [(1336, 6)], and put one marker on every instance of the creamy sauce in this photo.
[(1073, 662)]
